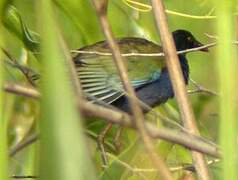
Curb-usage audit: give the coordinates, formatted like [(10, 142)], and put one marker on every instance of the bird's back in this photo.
[(98, 73), (127, 45)]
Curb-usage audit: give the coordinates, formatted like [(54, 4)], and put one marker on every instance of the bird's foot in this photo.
[(100, 141), (117, 140)]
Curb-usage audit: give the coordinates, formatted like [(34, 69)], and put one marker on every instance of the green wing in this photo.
[(98, 74)]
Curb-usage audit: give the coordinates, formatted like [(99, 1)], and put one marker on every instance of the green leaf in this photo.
[(63, 150), (227, 67), (14, 23)]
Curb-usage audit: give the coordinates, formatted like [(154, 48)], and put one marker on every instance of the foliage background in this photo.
[(77, 22)]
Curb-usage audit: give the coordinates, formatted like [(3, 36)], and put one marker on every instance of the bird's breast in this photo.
[(152, 94)]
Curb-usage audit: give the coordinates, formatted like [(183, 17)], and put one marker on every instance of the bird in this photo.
[(149, 76)]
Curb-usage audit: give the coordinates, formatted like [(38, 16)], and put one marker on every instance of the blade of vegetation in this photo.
[(14, 23), (78, 12), (227, 66), (3, 123), (3, 131), (63, 150)]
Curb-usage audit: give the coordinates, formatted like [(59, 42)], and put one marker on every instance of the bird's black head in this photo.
[(185, 40)]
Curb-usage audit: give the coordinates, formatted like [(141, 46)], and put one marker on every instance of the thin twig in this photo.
[(22, 90), (190, 167), (101, 7), (202, 17), (142, 7), (187, 167), (159, 54), (201, 89), (23, 177), (91, 110), (211, 36), (25, 142), (94, 136), (178, 84), (25, 71), (217, 38), (33, 138)]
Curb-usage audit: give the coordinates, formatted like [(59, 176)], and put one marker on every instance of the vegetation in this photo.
[(47, 129)]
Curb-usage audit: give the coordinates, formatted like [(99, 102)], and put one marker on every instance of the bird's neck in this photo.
[(185, 67)]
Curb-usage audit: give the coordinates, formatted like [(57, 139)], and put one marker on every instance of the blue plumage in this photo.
[(156, 92)]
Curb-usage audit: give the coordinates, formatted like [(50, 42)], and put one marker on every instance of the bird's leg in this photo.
[(101, 147), (117, 139)]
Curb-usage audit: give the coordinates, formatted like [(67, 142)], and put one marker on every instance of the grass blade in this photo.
[(63, 149)]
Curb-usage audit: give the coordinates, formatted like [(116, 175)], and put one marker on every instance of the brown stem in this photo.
[(176, 77), (137, 113), (91, 110), (21, 90)]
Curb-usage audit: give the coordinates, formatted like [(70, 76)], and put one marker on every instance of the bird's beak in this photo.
[(198, 44)]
